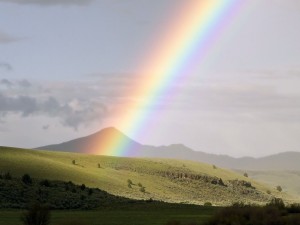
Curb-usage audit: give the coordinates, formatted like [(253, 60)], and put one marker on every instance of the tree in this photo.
[(245, 174), (36, 215), (26, 179), (73, 162), (129, 182), (82, 187), (140, 185), (99, 166), (214, 166)]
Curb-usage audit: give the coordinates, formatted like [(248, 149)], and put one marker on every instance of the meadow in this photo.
[(135, 215)]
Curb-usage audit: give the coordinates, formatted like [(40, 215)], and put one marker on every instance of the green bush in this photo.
[(36, 215), (207, 204), (26, 179), (142, 189), (7, 176)]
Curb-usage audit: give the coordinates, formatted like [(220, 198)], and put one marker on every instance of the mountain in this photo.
[(161, 179), (91, 143)]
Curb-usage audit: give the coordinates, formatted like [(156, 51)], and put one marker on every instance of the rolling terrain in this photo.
[(278, 162), (162, 179)]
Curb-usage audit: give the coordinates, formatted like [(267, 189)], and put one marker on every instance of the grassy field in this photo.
[(128, 216), (163, 179)]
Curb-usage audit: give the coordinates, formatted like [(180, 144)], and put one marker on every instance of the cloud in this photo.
[(46, 127), (70, 111), (6, 38), (49, 2), (5, 66), (6, 83)]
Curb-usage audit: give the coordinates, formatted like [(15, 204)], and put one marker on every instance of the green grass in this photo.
[(128, 216), (151, 173)]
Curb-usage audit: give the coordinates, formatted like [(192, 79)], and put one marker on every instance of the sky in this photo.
[(67, 68)]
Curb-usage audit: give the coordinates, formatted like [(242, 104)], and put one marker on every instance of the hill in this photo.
[(162, 179), (277, 162)]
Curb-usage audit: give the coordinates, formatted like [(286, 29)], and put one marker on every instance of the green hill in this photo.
[(162, 179)]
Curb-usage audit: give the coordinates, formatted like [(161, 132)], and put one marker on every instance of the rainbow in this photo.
[(186, 39)]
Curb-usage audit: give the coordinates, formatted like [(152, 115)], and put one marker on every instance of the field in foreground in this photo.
[(162, 179), (129, 216)]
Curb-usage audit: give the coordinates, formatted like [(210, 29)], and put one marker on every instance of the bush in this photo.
[(129, 182), (140, 185), (268, 192), (207, 204), (73, 162), (7, 176), (279, 188), (142, 189), (245, 174), (36, 215), (82, 187), (26, 179), (45, 183), (99, 166), (129, 185), (277, 203), (214, 167)]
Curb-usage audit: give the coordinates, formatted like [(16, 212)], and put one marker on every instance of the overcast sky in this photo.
[(65, 65)]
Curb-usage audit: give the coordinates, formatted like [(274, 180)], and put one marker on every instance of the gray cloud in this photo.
[(70, 113), (46, 127), (5, 66), (6, 83), (6, 38), (49, 2), (24, 83)]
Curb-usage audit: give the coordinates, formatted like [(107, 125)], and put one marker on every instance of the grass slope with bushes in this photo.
[(175, 181)]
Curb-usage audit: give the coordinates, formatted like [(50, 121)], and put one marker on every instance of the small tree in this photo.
[(214, 166), (36, 215), (73, 162), (129, 182), (140, 185), (99, 166), (82, 187), (279, 188), (245, 174), (26, 179)]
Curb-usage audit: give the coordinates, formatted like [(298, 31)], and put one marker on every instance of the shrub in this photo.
[(26, 179), (245, 174), (279, 188), (90, 191), (7, 176), (142, 189), (99, 166), (36, 215), (268, 192), (45, 183), (73, 162), (82, 187), (207, 204), (214, 167), (129, 185), (140, 185), (129, 182), (277, 202)]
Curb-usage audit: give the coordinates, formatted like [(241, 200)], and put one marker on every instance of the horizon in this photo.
[(69, 69)]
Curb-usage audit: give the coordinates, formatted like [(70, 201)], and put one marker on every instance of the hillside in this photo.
[(278, 162), (163, 179)]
